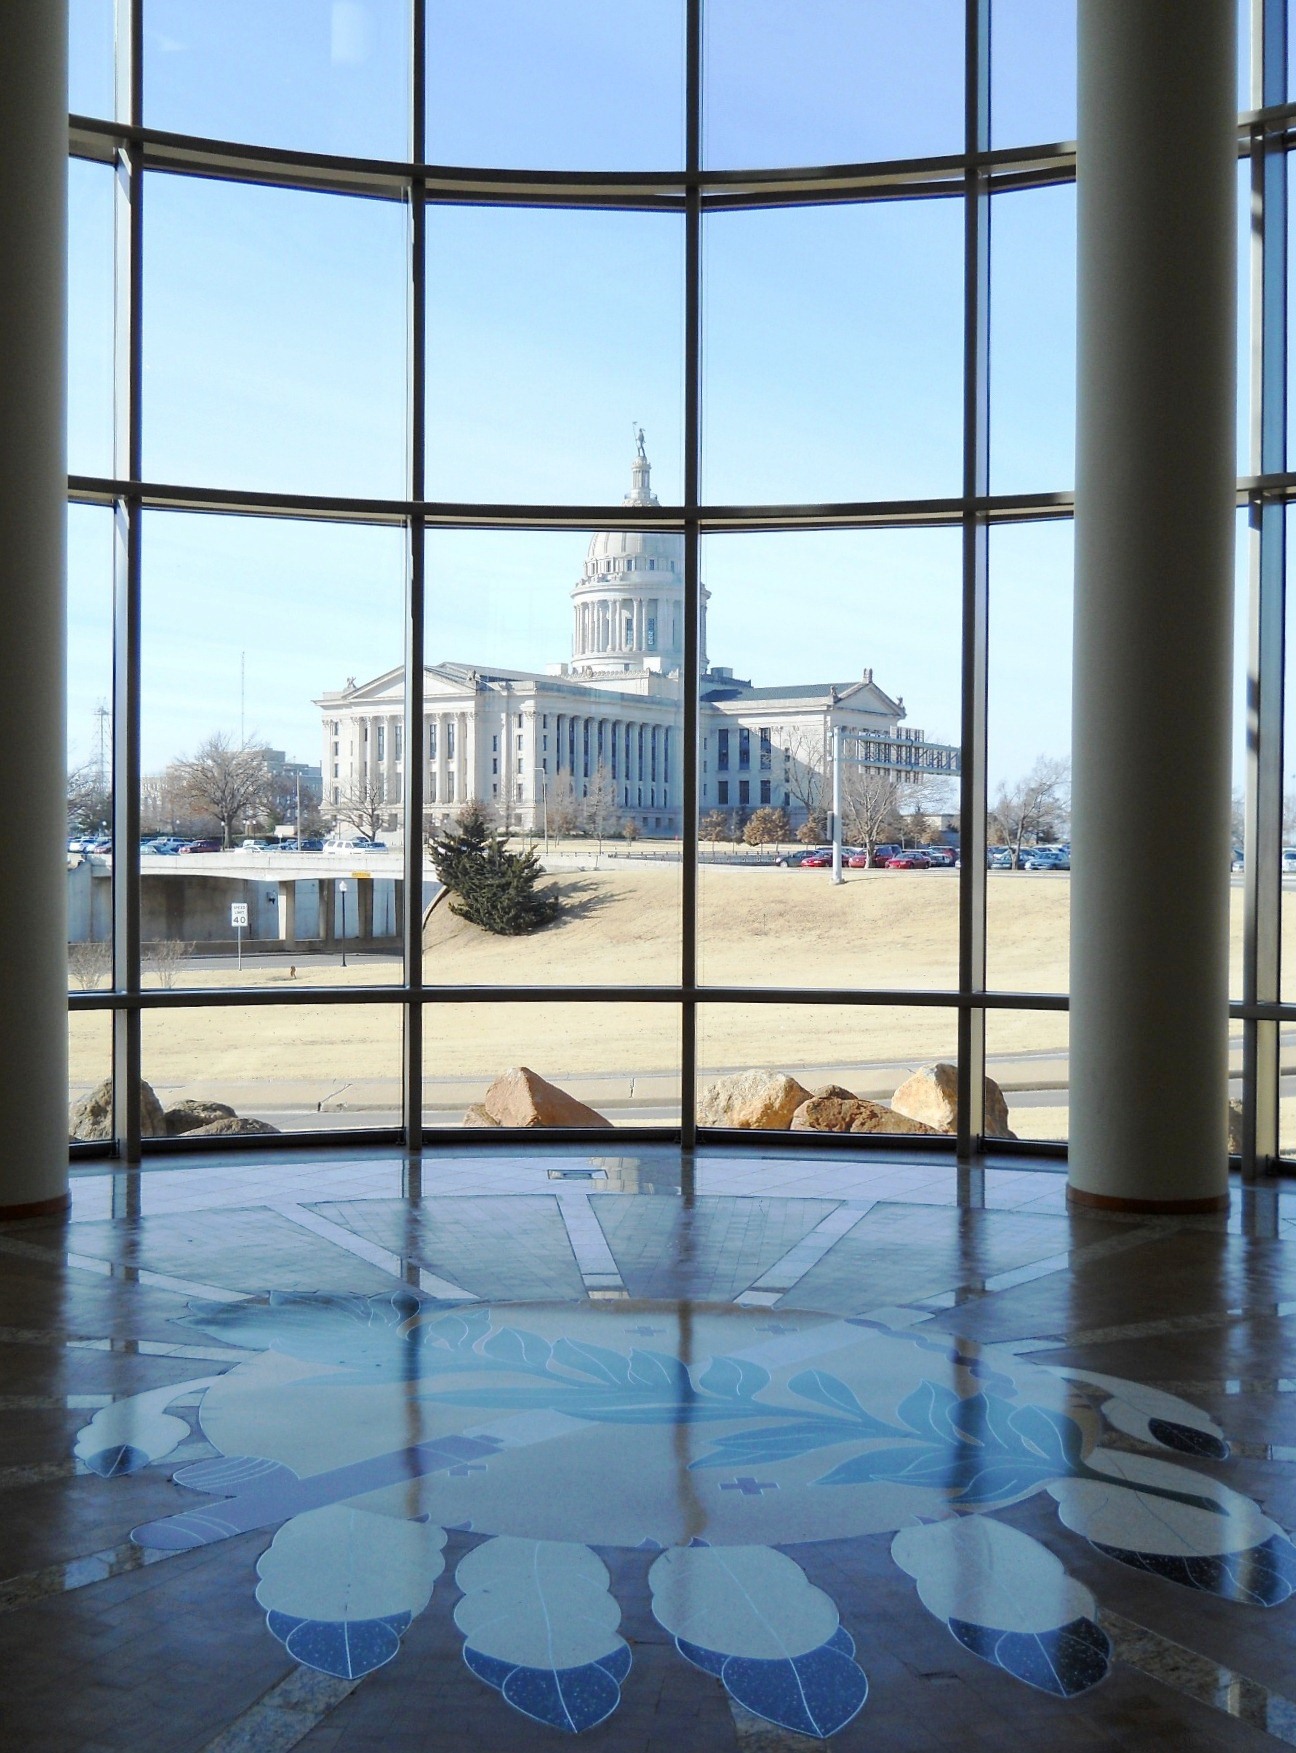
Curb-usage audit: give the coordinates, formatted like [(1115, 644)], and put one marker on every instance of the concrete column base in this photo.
[(1081, 1197)]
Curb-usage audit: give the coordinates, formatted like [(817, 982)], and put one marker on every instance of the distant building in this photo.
[(601, 735)]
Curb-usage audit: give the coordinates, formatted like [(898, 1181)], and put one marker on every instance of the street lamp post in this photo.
[(544, 805), (837, 803), (342, 890)]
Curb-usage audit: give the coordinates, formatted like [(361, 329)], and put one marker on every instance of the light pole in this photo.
[(544, 805), (342, 890), (836, 804)]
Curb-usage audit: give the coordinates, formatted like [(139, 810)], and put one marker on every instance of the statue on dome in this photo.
[(639, 440)]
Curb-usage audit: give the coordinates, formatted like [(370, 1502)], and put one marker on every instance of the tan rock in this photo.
[(477, 1116), (1235, 1128), (762, 1101), (851, 1114), (189, 1116), (834, 1089), (233, 1126), (931, 1095), (91, 1117), (521, 1097)]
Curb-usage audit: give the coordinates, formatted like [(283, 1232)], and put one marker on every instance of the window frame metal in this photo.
[(1267, 134)]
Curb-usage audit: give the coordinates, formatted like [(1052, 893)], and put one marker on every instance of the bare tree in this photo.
[(362, 805), (629, 830), (166, 958), (871, 807), (226, 781), (600, 801), (804, 761), (1032, 808), (89, 963), (564, 814), (89, 798)]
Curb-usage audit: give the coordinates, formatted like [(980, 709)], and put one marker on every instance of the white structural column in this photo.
[(33, 489), (1153, 602)]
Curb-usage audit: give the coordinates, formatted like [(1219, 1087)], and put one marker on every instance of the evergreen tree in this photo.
[(494, 888)]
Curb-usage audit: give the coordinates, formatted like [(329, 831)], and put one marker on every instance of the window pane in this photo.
[(299, 299), (1032, 340), (833, 353), (511, 83), (1289, 786), (89, 745), (1028, 1058), (872, 648), (294, 1067), (862, 1053), (90, 58), (831, 81), (259, 638), (90, 318), (317, 75), (620, 1062), (1241, 623), (547, 332), (1028, 910), (1032, 72), (90, 1076), (552, 695)]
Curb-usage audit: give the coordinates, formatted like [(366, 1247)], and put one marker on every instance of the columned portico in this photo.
[(1153, 602)]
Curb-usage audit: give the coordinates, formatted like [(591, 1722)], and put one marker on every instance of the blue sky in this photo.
[(275, 327)]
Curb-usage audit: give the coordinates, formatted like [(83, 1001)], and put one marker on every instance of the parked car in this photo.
[(202, 846), (1289, 860), (815, 860), (942, 857), (913, 860), (1045, 858), (882, 855), (998, 858)]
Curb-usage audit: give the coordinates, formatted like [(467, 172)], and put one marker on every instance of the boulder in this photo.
[(834, 1089), (931, 1095), (233, 1125), (189, 1116), (521, 1097), (477, 1116), (851, 1114), (763, 1101), (91, 1117), (1235, 1128)]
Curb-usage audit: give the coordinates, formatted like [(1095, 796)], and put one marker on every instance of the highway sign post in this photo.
[(239, 919)]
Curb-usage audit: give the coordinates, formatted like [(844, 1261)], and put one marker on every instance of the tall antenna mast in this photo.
[(242, 699)]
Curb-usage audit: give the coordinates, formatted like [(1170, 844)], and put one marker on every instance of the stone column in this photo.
[(288, 914), (1153, 603), (33, 490)]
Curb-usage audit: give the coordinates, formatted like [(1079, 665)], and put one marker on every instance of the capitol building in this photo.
[(600, 734)]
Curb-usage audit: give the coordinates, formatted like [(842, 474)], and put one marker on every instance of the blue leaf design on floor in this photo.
[(121, 1458), (1263, 1576), (349, 1648), (571, 1699), (815, 1694), (1065, 1661)]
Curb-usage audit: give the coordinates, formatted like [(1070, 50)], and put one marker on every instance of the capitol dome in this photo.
[(629, 601)]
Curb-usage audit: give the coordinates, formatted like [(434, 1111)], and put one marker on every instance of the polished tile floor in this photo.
[(497, 1451)]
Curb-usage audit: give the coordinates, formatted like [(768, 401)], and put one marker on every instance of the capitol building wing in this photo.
[(597, 739)]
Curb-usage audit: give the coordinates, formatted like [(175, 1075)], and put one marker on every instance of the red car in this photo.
[(816, 861), (203, 846), (908, 861)]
